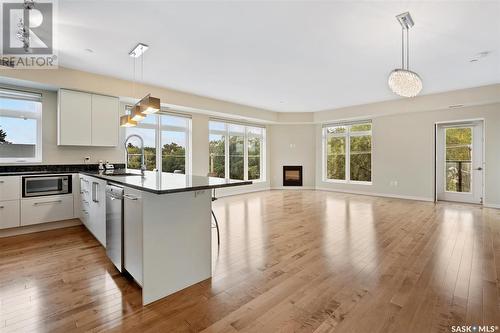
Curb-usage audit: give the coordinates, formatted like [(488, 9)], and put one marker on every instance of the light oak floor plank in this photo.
[(289, 261)]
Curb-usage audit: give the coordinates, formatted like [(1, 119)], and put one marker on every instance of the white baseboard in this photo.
[(491, 205), (39, 227), (385, 195), (292, 188)]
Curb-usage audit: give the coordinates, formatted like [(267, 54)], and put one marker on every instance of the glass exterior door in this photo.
[(459, 162)]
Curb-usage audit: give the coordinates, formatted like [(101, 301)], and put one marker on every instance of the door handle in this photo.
[(479, 168), (130, 197), (94, 191)]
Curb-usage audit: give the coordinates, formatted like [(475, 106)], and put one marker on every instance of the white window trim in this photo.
[(39, 128), (346, 135), (226, 133)]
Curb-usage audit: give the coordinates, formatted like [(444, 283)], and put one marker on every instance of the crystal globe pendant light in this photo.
[(403, 81)]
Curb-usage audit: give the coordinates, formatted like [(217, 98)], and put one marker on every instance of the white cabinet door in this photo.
[(98, 209), (84, 212), (74, 118), (10, 188), (132, 233), (46, 209), (9, 214), (105, 120)]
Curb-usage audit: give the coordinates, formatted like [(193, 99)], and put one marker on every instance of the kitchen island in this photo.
[(167, 228)]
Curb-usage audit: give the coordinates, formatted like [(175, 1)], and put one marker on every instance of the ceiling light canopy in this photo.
[(403, 81), (138, 50)]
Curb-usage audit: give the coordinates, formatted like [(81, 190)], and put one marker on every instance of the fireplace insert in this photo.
[(292, 175)]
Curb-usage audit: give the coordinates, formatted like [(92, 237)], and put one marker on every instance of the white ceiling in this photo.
[(284, 55)]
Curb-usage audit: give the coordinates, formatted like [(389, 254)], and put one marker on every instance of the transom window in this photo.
[(20, 126), (236, 151), (348, 152), (166, 143)]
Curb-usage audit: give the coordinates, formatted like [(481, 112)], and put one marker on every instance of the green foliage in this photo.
[(458, 159), (3, 136), (173, 157), (236, 157), (360, 155)]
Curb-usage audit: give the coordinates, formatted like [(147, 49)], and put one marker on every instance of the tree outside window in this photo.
[(348, 152)]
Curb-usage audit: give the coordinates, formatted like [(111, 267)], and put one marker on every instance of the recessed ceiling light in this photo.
[(138, 50)]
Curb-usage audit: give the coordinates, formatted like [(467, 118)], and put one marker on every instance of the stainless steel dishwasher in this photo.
[(114, 225)]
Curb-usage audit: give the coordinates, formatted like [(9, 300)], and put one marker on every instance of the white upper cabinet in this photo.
[(105, 120), (74, 118), (86, 119)]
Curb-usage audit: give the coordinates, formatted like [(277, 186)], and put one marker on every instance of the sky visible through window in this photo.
[(20, 130)]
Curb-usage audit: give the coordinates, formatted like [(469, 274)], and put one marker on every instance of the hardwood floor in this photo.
[(289, 261)]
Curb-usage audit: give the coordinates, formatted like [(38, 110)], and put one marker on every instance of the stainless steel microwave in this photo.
[(35, 186)]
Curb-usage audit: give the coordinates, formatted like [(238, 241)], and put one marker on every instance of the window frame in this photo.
[(29, 115), (226, 133), (347, 135), (159, 128)]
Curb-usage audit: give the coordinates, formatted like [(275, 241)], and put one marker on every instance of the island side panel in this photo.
[(176, 242)]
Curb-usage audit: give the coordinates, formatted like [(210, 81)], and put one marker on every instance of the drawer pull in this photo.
[(1, 207), (1, 182), (46, 202)]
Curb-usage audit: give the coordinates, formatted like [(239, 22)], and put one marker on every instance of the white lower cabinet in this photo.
[(46, 209), (93, 206), (10, 188), (132, 233), (9, 214)]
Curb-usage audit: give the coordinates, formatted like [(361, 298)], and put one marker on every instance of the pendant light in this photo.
[(403, 81), (149, 105), (136, 113), (127, 121)]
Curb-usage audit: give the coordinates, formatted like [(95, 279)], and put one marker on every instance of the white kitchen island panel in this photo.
[(176, 242)]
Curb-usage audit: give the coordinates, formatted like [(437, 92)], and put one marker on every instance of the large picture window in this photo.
[(348, 152), (20, 126), (236, 151), (166, 143)]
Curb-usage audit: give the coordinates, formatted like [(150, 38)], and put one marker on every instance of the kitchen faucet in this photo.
[(143, 165)]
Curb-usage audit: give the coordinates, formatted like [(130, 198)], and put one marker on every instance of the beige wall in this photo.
[(403, 150), (292, 145)]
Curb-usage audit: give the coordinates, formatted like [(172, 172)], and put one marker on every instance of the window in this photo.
[(166, 143), (20, 126), (348, 152), (236, 151)]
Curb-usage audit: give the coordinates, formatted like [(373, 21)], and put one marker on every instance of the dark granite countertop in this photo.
[(166, 182)]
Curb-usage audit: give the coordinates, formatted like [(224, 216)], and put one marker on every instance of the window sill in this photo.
[(19, 161), (348, 182)]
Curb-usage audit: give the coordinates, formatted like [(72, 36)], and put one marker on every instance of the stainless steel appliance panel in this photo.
[(35, 186), (114, 225)]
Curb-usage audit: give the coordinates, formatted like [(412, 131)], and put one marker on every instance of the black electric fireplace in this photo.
[(292, 175)]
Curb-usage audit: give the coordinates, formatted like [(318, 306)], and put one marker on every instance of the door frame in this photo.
[(483, 152)]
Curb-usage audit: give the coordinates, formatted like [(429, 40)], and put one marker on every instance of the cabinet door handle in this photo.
[(1, 207), (130, 197), (1, 182), (46, 202), (95, 187)]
